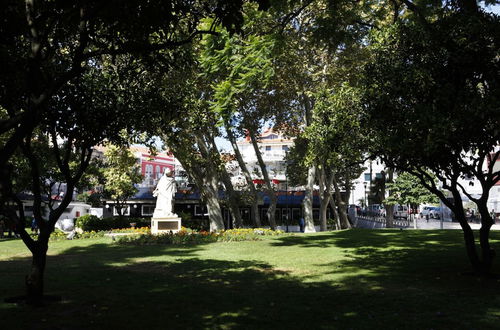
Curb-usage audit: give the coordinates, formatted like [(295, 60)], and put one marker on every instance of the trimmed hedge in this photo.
[(90, 222), (188, 236)]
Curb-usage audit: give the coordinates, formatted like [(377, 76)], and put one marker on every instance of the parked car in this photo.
[(426, 211), (376, 210), (354, 206), (400, 211), (435, 213)]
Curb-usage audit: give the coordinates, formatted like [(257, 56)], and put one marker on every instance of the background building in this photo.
[(152, 167), (273, 147)]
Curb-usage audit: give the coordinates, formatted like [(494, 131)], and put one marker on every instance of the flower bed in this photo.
[(188, 236), (58, 235)]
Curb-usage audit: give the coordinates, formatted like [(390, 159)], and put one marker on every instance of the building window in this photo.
[(296, 214), (147, 209), (28, 208), (378, 175), (149, 171), (367, 177), (268, 148), (284, 148), (200, 210), (125, 211)]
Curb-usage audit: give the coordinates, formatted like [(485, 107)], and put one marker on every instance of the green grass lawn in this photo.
[(356, 279)]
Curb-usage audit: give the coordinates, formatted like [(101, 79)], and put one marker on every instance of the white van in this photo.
[(400, 211)]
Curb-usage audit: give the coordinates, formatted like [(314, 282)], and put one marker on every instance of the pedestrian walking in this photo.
[(493, 216), (302, 225), (34, 225)]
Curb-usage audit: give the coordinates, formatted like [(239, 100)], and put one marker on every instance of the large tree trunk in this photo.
[(470, 245), (233, 201), (325, 182), (214, 210), (308, 200), (480, 266), (269, 189), (207, 182), (335, 212), (210, 181), (247, 175), (35, 279), (211, 196), (342, 209), (487, 253), (323, 211), (389, 215)]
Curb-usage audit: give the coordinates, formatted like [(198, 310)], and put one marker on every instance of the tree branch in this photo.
[(138, 48), (282, 23), (411, 6)]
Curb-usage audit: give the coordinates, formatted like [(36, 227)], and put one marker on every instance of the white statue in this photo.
[(165, 190)]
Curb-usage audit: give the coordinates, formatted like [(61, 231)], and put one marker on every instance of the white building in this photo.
[(361, 186), (273, 147)]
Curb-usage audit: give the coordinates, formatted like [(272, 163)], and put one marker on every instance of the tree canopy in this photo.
[(432, 102)]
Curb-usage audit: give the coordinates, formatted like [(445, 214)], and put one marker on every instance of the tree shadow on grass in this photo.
[(134, 287), (369, 238), (103, 288)]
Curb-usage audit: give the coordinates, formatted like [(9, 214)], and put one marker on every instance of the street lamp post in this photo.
[(366, 200), (286, 192)]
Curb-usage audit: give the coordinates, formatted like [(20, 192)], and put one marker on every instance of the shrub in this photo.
[(116, 223), (189, 236), (247, 234), (58, 235), (136, 230), (196, 224), (89, 222), (90, 234), (139, 222)]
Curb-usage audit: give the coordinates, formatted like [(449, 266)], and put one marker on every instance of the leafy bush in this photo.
[(90, 234), (58, 235), (140, 222), (189, 236), (180, 238), (136, 230), (91, 222), (247, 234), (196, 224), (27, 222), (88, 222)]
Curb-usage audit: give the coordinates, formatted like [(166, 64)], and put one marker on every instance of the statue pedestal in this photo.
[(161, 225)]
